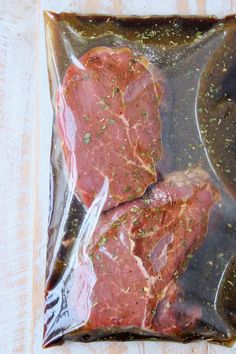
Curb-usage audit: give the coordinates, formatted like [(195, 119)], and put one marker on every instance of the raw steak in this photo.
[(109, 123), (137, 252)]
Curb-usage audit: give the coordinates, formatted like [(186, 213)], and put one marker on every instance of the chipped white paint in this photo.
[(25, 128)]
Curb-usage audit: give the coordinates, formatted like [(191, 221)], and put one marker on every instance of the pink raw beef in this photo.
[(109, 123), (138, 250)]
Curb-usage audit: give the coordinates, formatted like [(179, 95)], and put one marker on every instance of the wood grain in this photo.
[(25, 128), (17, 130)]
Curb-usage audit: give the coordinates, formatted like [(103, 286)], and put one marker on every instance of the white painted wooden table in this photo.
[(25, 128)]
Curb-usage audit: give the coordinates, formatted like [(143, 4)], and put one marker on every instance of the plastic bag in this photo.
[(142, 232)]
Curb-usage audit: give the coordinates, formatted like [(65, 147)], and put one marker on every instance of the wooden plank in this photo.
[(17, 85), (25, 127)]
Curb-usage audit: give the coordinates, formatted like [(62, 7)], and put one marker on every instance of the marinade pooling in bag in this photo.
[(142, 231)]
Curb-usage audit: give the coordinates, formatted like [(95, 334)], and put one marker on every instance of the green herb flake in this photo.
[(86, 77), (199, 34), (131, 197), (102, 241), (134, 210), (127, 189), (135, 221), (87, 138), (115, 90), (139, 189), (86, 117), (184, 243), (176, 273), (103, 104), (112, 121), (141, 232), (189, 256), (144, 114), (116, 224)]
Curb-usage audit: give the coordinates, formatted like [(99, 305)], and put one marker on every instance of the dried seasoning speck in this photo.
[(87, 138)]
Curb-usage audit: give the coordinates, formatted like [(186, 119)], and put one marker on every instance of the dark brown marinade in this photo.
[(198, 58)]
